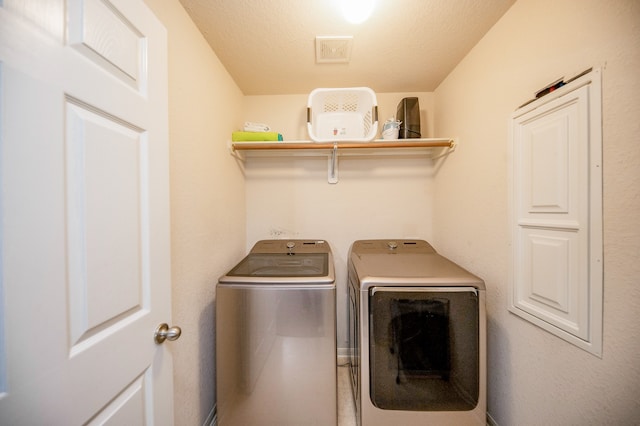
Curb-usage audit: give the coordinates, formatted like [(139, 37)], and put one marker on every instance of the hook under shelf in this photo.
[(333, 165)]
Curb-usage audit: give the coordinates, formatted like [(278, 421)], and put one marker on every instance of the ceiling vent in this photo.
[(332, 50)]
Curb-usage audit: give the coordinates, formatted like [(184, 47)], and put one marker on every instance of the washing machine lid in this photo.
[(286, 262), (282, 265)]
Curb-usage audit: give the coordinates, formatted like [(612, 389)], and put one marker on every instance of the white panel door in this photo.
[(84, 214), (556, 213), (551, 169)]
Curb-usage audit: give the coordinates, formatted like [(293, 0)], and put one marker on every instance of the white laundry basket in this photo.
[(343, 114)]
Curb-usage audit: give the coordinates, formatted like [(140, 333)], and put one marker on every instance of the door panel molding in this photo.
[(555, 209)]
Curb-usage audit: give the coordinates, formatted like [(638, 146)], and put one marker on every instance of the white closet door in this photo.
[(556, 213), (84, 231)]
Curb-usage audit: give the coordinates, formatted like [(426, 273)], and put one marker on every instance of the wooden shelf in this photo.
[(430, 148), (342, 145)]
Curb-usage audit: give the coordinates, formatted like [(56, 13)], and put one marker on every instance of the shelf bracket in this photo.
[(233, 152), (333, 165)]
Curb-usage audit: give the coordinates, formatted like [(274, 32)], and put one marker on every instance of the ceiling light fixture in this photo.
[(356, 11)]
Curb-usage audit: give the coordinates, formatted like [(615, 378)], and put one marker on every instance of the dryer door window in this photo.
[(424, 348)]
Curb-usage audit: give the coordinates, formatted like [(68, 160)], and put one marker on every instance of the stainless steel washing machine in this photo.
[(417, 334), (276, 337)]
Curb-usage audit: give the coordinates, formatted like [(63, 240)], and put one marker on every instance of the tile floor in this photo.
[(346, 409)]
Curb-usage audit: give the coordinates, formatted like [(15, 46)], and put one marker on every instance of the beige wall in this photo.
[(287, 114), (376, 197), (207, 203), (536, 378), (217, 214)]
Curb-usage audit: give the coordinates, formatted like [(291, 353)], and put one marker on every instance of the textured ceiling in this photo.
[(268, 46)]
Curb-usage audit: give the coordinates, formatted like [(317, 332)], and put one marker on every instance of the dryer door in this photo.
[(424, 348)]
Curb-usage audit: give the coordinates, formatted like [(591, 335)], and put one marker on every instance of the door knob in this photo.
[(163, 332)]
